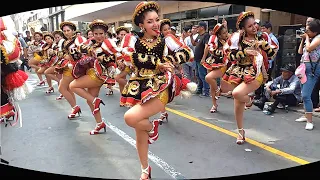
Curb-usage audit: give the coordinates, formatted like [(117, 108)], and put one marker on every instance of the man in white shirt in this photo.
[(267, 28), (189, 67)]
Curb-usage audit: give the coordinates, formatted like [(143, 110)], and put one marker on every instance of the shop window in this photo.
[(237, 9), (212, 23), (231, 23)]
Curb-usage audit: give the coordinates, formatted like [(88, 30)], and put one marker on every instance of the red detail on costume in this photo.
[(99, 72), (265, 36), (176, 40), (109, 45), (88, 41), (2, 26), (265, 60), (15, 80), (233, 79), (140, 4), (64, 63), (185, 81), (51, 61), (16, 52), (130, 49), (229, 40), (144, 95), (212, 42), (97, 67), (112, 64), (126, 40), (180, 84), (207, 66), (150, 92), (6, 109), (44, 45), (129, 101), (111, 81), (80, 39), (118, 58), (247, 78), (126, 58), (1, 38)]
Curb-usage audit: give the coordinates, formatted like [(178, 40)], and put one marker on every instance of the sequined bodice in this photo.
[(147, 57), (71, 49)]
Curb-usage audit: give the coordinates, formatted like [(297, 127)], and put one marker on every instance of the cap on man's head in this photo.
[(257, 21), (203, 24), (267, 25), (289, 68), (173, 28)]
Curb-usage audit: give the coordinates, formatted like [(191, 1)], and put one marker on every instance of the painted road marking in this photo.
[(155, 159), (230, 133), (251, 141)]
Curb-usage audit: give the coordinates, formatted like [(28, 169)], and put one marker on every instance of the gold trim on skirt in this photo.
[(92, 74), (67, 72), (164, 96)]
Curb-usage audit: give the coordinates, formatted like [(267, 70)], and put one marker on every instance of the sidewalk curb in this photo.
[(301, 111)]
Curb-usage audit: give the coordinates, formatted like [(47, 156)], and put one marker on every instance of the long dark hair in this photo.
[(141, 18), (314, 26)]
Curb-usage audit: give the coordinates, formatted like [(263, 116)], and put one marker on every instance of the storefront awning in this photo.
[(224, 10), (121, 12), (227, 9)]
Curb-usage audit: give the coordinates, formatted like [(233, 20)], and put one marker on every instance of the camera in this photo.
[(301, 31)]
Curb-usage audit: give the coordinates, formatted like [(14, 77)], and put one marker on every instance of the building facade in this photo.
[(56, 16), (119, 13), (181, 13), (38, 20)]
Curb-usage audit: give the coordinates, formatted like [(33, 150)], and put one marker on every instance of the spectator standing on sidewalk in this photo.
[(201, 53), (189, 68), (315, 92), (24, 52), (28, 37), (310, 68), (267, 28)]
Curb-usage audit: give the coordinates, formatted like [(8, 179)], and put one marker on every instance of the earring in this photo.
[(142, 29)]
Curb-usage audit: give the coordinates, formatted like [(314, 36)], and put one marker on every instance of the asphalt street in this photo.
[(194, 144)]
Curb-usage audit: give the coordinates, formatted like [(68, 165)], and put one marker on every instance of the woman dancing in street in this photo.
[(57, 47), (151, 86), (94, 69), (48, 59), (216, 64), (124, 71), (121, 77), (65, 66), (35, 55), (13, 80), (249, 55), (165, 29)]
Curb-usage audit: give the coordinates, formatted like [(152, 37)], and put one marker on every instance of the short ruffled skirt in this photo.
[(139, 90), (236, 74), (165, 87), (214, 62)]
